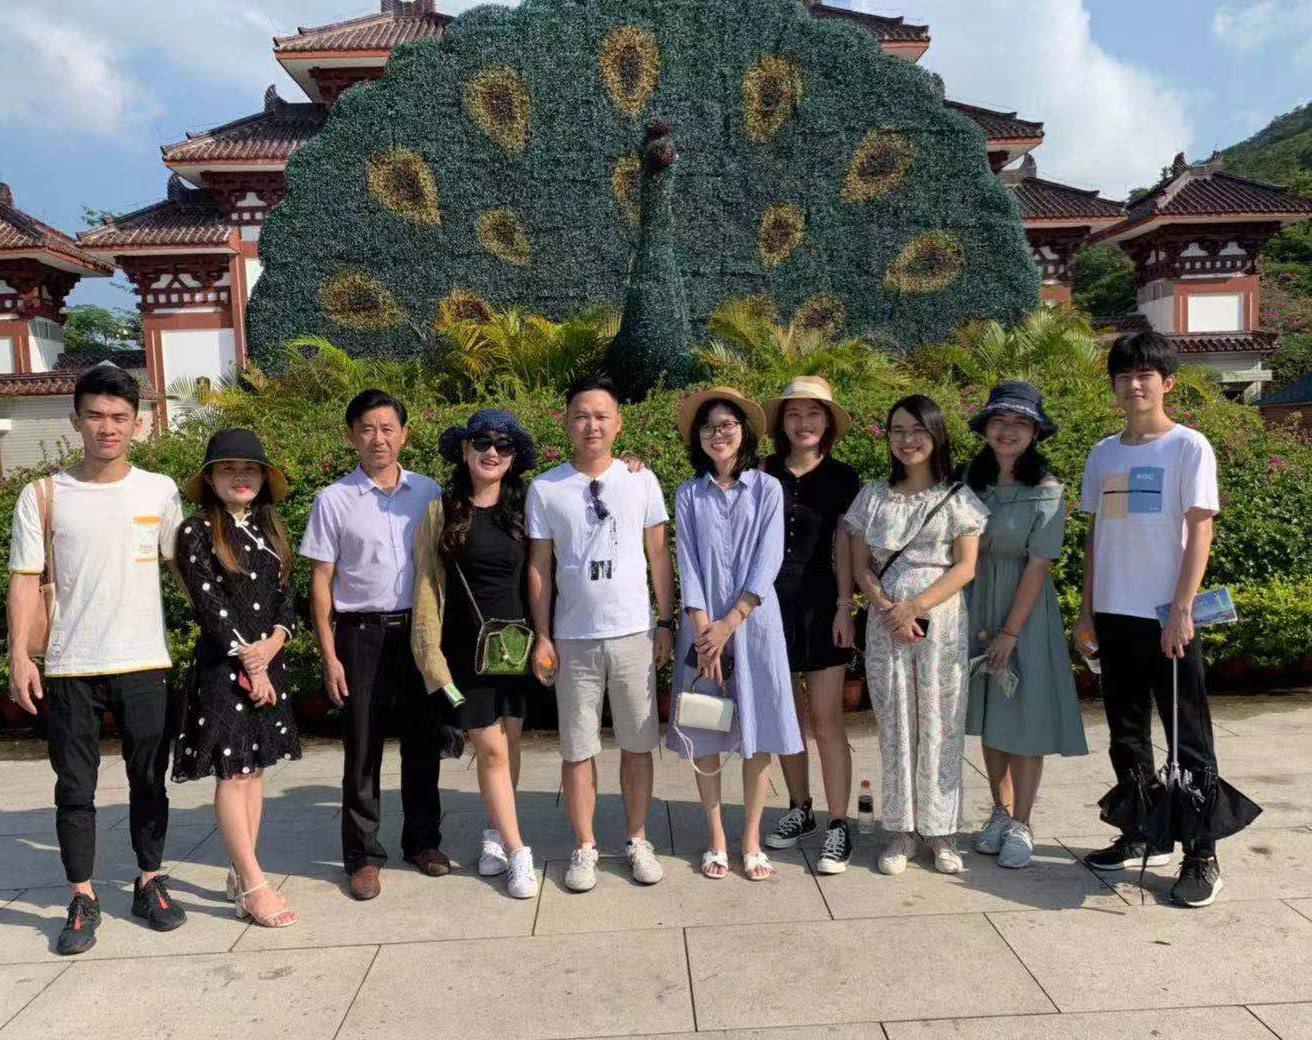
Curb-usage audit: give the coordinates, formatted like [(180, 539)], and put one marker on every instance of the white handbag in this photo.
[(707, 711)]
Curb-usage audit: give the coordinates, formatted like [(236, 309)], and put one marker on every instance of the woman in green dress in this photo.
[(1015, 620)]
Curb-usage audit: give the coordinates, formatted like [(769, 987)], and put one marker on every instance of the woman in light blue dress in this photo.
[(730, 540)]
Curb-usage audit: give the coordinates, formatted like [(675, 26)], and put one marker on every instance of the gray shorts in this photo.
[(622, 666)]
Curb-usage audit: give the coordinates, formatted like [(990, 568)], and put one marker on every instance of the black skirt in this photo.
[(807, 604)]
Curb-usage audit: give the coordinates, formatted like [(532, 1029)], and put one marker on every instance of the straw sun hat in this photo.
[(689, 405), (807, 388)]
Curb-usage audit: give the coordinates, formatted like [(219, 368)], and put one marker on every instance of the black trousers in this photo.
[(1135, 673), (76, 706), (385, 686)]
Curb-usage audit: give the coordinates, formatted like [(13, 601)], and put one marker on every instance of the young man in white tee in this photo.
[(111, 524), (602, 525), (1152, 491)]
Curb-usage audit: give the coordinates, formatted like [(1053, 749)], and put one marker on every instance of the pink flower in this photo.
[(551, 455)]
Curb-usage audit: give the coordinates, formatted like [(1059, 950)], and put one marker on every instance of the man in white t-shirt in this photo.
[(107, 651), (1152, 491), (602, 525)]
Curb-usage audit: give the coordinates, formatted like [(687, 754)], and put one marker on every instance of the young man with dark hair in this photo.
[(1152, 492), (110, 524), (361, 538), (601, 525)]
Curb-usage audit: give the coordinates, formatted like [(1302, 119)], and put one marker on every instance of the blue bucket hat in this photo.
[(1023, 399), (490, 420)]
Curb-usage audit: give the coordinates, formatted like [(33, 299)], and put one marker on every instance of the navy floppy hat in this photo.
[(1023, 399), (490, 420)]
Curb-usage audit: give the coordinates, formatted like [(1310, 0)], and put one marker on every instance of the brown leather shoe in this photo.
[(365, 883), (433, 862)]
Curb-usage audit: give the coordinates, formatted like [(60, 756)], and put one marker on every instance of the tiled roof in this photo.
[(188, 217), (999, 126), (1048, 200), (274, 133), (1205, 189), (396, 23), (50, 384), (884, 28), (22, 233), (80, 360), (1222, 342), (1298, 392)]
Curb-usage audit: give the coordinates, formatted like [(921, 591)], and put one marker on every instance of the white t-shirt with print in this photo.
[(108, 540), (601, 563), (1139, 495)]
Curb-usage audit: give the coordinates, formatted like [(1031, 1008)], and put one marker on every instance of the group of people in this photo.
[(447, 610)]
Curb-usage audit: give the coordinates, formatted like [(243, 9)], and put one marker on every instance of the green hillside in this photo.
[(1280, 154)]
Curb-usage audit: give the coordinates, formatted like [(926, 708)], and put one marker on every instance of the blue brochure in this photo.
[(1214, 607)]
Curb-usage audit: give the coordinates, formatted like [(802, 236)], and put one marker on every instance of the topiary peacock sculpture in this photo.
[(498, 166)]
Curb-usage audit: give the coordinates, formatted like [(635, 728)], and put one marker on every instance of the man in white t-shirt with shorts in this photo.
[(106, 651), (602, 525)]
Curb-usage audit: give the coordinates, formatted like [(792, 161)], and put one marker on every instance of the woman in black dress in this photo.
[(815, 597), (236, 561), (470, 555)]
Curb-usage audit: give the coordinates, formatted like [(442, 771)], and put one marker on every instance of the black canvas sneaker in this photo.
[(79, 933), (837, 850), (1199, 881), (153, 902), (1124, 854), (795, 824)]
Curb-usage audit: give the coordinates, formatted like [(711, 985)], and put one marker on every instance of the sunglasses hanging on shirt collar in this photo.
[(595, 489)]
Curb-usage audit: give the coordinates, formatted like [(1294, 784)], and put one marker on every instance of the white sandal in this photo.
[(715, 859), (232, 884), (284, 918), (757, 860)]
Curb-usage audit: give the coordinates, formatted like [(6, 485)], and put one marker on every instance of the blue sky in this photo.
[(89, 90)]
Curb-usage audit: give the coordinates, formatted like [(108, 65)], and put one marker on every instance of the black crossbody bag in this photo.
[(923, 622)]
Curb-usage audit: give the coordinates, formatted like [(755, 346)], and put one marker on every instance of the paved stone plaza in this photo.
[(1051, 952)]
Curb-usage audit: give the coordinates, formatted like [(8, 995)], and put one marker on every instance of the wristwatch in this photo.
[(665, 623)]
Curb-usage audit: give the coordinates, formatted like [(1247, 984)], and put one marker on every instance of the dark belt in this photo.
[(375, 618)]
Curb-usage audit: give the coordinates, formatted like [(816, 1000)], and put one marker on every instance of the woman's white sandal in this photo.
[(715, 859), (757, 861), (284, 918)]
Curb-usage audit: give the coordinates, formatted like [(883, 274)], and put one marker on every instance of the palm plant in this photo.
[(1052, 340)]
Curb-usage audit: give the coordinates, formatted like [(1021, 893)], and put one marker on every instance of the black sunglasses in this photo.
[(595, 488), (504, 446)]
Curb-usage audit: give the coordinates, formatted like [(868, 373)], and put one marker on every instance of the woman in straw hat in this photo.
[(237, 565), (815, 598), (730, 540)]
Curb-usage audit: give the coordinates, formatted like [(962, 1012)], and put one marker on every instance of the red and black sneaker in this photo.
[(79, 933), (153, 902)]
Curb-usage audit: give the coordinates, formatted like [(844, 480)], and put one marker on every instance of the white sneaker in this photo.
[(989, 840), (492, 858), (900, 847), (582, 873), (1018, 848), (946, 858), (523, 880), (647, 869)]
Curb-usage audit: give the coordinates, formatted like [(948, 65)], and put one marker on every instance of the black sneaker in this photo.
[(1123, 854), (79, 933), (837, 850), (1199, 881), (795, 824), (153, 902)]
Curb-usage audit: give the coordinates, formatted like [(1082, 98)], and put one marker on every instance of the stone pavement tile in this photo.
[(1271, 753), (33, 859), (862, 1031), (1253, 714), (546, 829), (20, 983), (1303, 906), (311, 846), (1285, 798), (30, 924), (461, 905), (29, 807), (1053, 881), (1268, 864), (1059, 809), (1214, 1023), (599, 984), (229, 996), (856, 971), (683, 898), (1287, 1021), (1229, 953)]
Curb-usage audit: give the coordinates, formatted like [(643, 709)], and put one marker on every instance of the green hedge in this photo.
[(497, 166)]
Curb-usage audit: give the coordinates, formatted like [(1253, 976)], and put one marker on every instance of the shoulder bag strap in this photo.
[(469, 592), (44, 489), (923, 524)]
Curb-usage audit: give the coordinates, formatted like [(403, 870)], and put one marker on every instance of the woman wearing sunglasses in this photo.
[(470, 553)]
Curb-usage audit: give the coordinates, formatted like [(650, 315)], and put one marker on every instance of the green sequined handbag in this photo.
[(503, 646)]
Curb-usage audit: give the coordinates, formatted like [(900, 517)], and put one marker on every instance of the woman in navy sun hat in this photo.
[(1018, 397)]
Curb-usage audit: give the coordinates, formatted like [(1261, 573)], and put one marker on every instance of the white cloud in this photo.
[(1251, 27)]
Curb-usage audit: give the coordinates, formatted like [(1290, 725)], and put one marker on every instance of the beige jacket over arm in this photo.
[(430, 601)]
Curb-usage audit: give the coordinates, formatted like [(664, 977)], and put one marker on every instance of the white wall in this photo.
[(1216, 312), (41, 428), (6, 354), (1160, 313), (47, 343), (193, 353), (254, 268)]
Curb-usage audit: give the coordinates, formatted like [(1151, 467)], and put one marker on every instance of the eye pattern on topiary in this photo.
[(782, 229), (359, 301), (879, 163), (626, 186), (630, 63), (462, 305), (501, 233), (823, 312), (401, 180), (929, 263), (497, 100), (772, 90)]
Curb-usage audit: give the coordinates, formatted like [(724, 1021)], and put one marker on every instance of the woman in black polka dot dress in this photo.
[(236, 562)]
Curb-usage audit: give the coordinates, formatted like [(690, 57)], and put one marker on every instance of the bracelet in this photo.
[(1013, 635), (744, 614), (845, 601)]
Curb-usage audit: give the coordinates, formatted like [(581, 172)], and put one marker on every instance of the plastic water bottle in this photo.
[(1093, 663), (865, 809)]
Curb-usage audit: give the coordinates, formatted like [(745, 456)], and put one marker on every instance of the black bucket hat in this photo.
[(237, 446), (1023, 399), (490, 420)]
